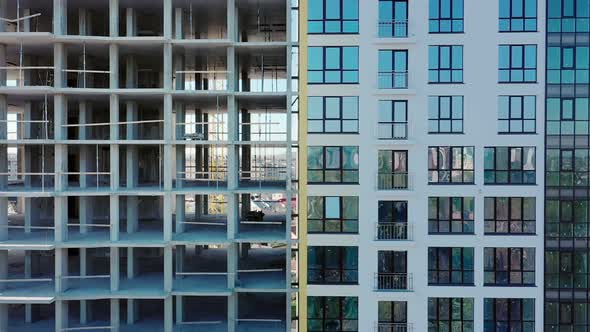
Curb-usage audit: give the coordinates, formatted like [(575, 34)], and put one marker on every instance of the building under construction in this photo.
[(148, 165)]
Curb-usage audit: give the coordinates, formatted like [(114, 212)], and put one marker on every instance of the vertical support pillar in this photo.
[(83, 272), (61, 315), (168, 310), (114, 20), (114, 253), (178, 23), (115, 319), (167, 19), (3, 13), (60, 17), (179, 309), (131, 303), (3, 75), (167, 269), (130, 22)]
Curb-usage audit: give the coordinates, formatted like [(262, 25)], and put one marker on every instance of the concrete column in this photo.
[(2, 63), (168, 314), (179, 77), (28, 275), (232, 312), (61, 315), (60, 17), (168, 66), (114, 270), (132, 308), (83, 272), (3, 13), (32, 213), (231, 21), (3, 151), (115, 319), (168, 137), (114, 216), (167, 19), (130, 22), (59, 64), (167, 216), (114, 64), (232, 215), (179, 309), (131, 72), (168, 269), (178, 23), (60, 212), (61, 269), (3, 218), (4, 317), (114, 18)]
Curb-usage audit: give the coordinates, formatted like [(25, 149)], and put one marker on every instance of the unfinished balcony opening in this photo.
[(31, 317), (201, 69), (87, 18), (201, 166), (200, 268), (262, 121), (30, 167), (262, 166), (30, 275), (200, 19), (262, 266), (262, 70), (201, 313), (143, 222), (264, 312), (141, 67), (141, 271), (88, 273), (141, 18), (143, 120), (87, 66), (201, 218), (141, 166), (88, 219), (262, 21), (88, 118), (30, 222), (30, 118), (202, 121), (87, 315), (28, 65), (147, 315), (88, 167), (263, 216), (28, 16)]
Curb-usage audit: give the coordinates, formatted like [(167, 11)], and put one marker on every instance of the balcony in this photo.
[(394, 181), (392, 28), (394, 231), (393, 327), (393, 282), (393, 79)]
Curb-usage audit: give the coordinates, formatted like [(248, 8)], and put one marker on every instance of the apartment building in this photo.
[(148, 165), (423, 124)]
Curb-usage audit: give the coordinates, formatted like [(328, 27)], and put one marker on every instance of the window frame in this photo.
[(493, 220), (393, 124), (324, 318), (451, 169), (435, 270), (519, 172), (386, 23), (342, 201), (342, 20), (493, 305), (440, 118), (451, 19), (340, 169), (325, 118), (523, 119), (326, 69), (323, 271), (389, 79), (435, 319), (394, 306), (511, 17), (515, 69), (450, 69), (464, 222), (492, 270)]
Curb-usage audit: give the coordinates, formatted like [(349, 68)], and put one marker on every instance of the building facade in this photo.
[(425, 165), (147, 169)]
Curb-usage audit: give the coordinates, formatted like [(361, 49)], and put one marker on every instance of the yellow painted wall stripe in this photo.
[(302, 165)]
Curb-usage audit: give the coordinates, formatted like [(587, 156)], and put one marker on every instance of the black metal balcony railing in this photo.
[(393, 79), (393, 28), (392, 130), (394, 181), (393, 281), (394, 327), (394, 231)]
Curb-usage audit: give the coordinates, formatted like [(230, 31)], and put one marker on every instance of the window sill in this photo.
[(452, 285), (510, 234), (511, 285), (446, 83), (509, 82), (451, 233), (509, 184), (449, 133), (517, 133), (451, 183)]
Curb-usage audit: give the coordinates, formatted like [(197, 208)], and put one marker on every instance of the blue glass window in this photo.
[(445, 114), (517, 114), (332, 115), (568, 65), (445, 16), (517, 64), (568, 16), (333, 65), (393, 18), (393, 69), (518, 15), (445, 64), (333, 17)]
